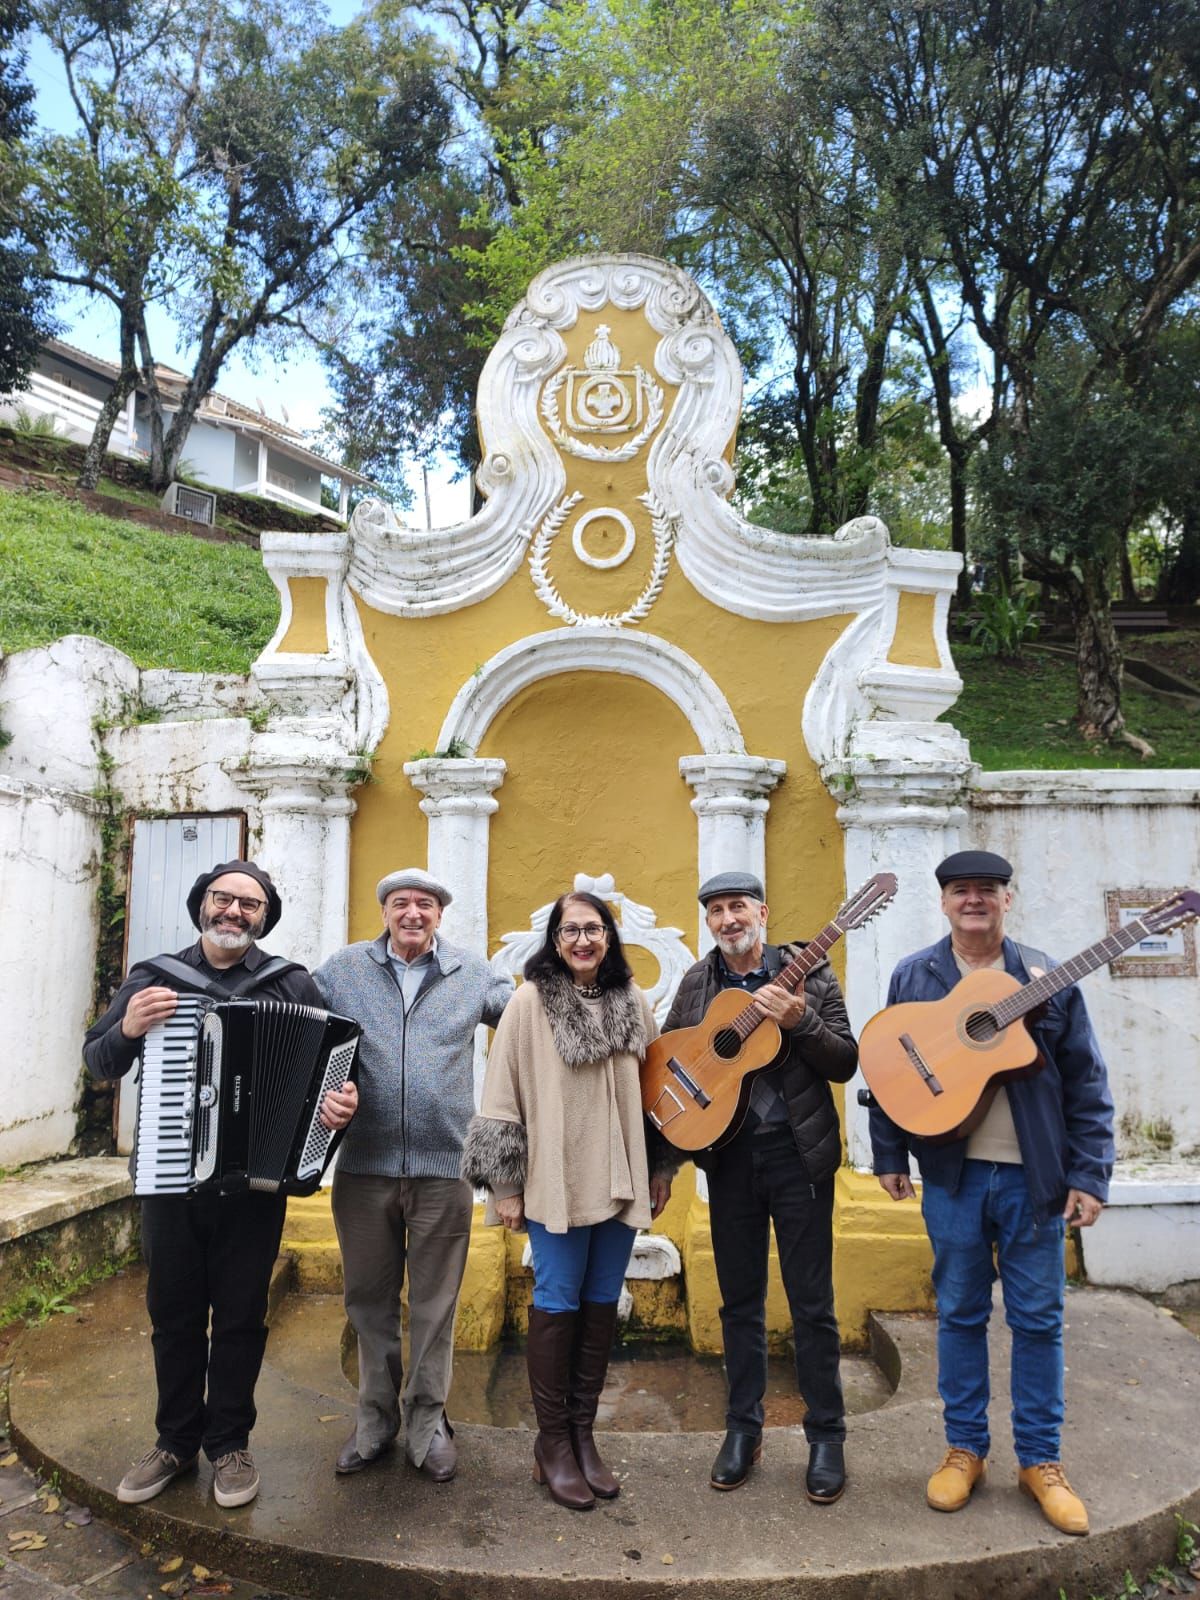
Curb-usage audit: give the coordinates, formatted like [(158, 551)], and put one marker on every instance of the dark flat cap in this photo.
[(252, 870), (973, 864), (731, 883)]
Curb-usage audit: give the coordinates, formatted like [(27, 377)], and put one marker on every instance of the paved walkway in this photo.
[(82, 1402)]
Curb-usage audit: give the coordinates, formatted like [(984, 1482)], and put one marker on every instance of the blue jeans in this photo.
[(581, 1264), (991, 1211)]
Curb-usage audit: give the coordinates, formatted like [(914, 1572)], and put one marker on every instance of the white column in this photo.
[(344, 499), (131, 419), (731, 808), (459, 804), (304, 843), (262, 467)]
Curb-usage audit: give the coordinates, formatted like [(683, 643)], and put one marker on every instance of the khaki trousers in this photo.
[(383, 1226)]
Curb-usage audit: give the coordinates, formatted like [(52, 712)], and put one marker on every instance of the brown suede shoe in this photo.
[(1061, 1506), (954, 1481)]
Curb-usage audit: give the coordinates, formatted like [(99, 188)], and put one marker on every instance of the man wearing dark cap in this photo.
[(1040, 1158), (207, 1255), (779, 1168), (400, 1208)]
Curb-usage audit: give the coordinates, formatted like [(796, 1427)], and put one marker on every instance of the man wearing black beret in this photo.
[(208, 1255), (1040, 1158)]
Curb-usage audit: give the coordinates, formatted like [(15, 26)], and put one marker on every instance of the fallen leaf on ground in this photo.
[(218, 1587), (201, 1572), (668, 1561), (334, 1416), (176, 1586), (29, 1541), (10, 1460), (50, 1505), (171, 1564), (22, 1533)]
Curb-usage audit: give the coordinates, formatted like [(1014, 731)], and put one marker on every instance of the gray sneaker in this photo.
[(151, 1475), (235, 1479)]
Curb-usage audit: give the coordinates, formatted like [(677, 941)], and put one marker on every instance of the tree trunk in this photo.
[(1128, 587), (1097, 655), (958, 523), (93, 458)]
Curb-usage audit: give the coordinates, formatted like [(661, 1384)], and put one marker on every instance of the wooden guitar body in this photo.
[(934, 1065), (695, 1081)]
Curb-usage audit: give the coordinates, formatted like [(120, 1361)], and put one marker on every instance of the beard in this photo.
[(229, 938), (739, 944)]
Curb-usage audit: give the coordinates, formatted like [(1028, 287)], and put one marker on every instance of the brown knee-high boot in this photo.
[(593, 1345), (548, 1353)]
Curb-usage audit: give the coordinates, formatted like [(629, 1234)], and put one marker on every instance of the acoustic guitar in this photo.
[(696, 1081), (934, 1065)]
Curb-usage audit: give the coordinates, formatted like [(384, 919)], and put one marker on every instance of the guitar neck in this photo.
[(792, 976), (1061, 977)]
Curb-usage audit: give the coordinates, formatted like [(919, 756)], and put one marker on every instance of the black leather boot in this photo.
[(826, 1476), (548, 1355), (594, 1333), (737, 1455)]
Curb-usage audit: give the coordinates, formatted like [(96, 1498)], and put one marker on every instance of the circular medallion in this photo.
[(603, 563)]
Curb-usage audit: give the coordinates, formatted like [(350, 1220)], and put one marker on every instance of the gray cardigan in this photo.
[(415, 1080)]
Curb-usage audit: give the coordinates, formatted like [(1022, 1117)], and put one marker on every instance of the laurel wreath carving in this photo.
[(598, 452), (662, 526)]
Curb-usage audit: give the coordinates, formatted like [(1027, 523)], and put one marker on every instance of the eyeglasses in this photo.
[(570, 932), (248, 903)]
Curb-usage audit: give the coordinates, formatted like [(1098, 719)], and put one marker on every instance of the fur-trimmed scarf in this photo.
[(582, 1036)]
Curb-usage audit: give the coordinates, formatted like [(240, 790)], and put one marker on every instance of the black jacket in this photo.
[(821, 1050), (107, 1053)]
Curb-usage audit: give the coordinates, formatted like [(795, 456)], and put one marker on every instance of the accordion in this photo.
[(230, 1096)]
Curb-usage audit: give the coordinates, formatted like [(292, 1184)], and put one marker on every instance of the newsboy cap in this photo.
[(251, 869), (973, 864), (731, 883), (412, 878)]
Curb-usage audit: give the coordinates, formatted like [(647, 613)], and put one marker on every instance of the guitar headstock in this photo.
[(1178, 908), (867, 901)]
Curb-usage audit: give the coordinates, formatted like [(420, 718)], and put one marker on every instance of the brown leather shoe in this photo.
[(349, 1459), (954, 1481), (441, 1459), (1061, 1506)]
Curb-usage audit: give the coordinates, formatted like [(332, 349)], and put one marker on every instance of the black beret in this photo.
[(252, 870), (973, 864)]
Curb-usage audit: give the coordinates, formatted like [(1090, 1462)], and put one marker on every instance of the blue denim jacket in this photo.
[(1063, 1114)]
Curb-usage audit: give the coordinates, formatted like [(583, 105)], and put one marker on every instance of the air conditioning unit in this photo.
[(194, 505)]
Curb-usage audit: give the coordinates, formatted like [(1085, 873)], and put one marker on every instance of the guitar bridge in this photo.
[(918, 1061), (660, 1120), (689, 1084)]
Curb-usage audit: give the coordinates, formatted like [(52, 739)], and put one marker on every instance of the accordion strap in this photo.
[(188, 978)]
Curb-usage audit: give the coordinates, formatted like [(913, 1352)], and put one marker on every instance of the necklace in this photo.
[(588, 991)]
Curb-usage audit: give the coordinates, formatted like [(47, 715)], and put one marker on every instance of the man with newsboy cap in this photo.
[(399, 1204), (996, 1201), (778, 1169), (208, 1256)]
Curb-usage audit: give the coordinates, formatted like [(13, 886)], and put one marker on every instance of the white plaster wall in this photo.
[(1071, 836), (208, 455), (49, 842)]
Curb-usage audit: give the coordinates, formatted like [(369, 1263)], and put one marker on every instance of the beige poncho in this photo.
[(565, 1070)]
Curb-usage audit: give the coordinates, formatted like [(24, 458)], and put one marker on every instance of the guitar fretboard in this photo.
[(1061, 977), (792, 976)]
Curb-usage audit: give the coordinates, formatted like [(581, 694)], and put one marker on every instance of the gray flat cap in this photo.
[(973, 864), (412, 878), (731, 883)]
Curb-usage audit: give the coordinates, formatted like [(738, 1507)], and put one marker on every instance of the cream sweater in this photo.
[(583, 1124)]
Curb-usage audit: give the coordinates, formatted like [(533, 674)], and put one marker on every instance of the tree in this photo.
[(24, 294), (1050, 148), (228, 158)]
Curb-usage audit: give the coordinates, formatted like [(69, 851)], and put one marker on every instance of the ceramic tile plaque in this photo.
[(1160, 955)]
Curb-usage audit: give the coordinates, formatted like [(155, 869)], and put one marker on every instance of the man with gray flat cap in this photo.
[(996, 1201), (778, 1169), (399, 1204)]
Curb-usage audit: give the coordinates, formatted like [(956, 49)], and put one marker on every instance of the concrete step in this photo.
[(82, 1402)]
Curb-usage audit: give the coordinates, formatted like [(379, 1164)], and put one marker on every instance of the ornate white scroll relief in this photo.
[(637, 925)]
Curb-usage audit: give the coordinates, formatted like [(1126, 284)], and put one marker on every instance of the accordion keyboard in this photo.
[(166, 1100)]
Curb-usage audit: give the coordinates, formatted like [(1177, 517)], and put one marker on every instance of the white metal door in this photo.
[(169, 854)]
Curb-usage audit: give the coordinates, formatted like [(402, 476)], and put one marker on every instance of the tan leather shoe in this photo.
[(954, 1481), (1061, 1506)]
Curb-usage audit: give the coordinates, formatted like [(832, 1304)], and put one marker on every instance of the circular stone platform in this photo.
[(82, 1403)]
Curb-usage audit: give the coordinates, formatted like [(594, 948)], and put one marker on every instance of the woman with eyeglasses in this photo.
[(561, 1144)]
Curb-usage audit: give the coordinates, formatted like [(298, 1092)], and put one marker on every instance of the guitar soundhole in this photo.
[(981, 1027), (726, 1043)]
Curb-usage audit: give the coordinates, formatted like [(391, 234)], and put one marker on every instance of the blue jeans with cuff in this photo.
[(581, 1264), (991, 1212)]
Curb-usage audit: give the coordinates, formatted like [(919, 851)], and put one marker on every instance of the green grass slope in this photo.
[(166, 600)]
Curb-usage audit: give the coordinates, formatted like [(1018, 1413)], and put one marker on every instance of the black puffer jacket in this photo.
[(820, 1051)]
